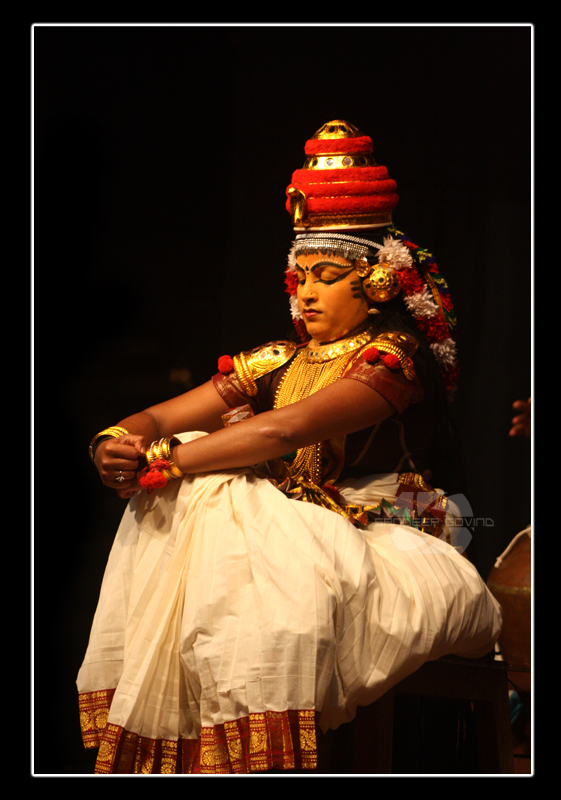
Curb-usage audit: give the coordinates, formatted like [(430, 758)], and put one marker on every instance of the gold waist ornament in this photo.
[(314, 368)]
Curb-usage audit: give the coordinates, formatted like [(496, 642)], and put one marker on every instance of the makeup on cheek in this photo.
[(356, 289)]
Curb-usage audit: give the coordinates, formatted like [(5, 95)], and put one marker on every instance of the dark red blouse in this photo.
[(398, 444)]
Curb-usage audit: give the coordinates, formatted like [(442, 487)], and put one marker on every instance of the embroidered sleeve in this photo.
[(391, 384), (387, 366), (231, 390)]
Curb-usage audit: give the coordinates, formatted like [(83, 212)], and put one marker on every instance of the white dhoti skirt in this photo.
[(234, 621)]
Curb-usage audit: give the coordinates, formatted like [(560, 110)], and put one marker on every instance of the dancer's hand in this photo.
[(118, 461)]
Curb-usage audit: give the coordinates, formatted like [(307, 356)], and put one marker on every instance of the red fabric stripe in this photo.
[(346, 188), (349, 205), (359, 144)]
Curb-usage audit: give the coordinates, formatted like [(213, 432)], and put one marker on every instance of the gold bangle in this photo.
[(163, 455), (151, 454), (113, 432), (160, 450), (174, 469)]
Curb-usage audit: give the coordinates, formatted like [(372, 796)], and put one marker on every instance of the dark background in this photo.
[(161, 158)]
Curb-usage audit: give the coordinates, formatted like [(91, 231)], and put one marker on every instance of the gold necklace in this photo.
[(314, 368)]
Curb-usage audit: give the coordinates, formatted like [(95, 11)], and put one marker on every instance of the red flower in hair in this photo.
[(291, 280), (434, 328), (451, 377), (225, 364), (447, 302), (411, 281), (301, 329)]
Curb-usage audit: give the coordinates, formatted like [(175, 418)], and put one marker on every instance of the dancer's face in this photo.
[(330, 296)]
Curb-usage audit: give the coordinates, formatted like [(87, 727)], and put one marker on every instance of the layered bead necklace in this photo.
[(314, 368)]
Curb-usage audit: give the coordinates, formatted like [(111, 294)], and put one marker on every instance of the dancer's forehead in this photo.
[(311, 260)]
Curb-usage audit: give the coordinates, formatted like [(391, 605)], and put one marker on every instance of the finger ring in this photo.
[(121, 477)]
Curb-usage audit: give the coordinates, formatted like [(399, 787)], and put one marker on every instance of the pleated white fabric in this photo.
[(223, 598)]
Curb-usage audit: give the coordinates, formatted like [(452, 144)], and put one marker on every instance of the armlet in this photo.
[(394, 343), (255, 363)]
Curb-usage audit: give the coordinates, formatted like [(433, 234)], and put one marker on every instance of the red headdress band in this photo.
[(340, 187)]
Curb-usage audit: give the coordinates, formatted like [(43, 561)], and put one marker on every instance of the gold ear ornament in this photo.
[(380, 281)]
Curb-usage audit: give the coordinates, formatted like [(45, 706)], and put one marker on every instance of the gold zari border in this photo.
[(94, 709), (255, 743)]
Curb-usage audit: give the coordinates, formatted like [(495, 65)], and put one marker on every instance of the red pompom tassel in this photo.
[(225, 364), (391, 361), (371, 354), (153, 477)]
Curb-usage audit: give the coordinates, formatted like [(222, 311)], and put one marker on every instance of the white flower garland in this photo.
[(395, 253), (294, 310), (445, 352), (421, 304)]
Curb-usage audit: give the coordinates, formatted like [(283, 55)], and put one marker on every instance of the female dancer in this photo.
[(284, 558)]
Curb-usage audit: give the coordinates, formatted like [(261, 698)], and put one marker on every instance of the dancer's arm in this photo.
[(339, 409), (200, 409)]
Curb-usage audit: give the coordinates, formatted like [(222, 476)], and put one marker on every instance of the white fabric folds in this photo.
[(225, 604)]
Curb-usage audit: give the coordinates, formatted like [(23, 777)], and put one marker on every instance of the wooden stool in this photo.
[(483, 682)]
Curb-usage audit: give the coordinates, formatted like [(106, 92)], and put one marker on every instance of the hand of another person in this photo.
[(522, 423), (118, 461)]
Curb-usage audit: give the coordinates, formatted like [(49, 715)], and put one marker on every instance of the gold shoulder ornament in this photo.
[(398, 344), (253, 364)]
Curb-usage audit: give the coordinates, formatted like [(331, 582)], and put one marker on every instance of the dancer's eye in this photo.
[(330, 275), (326, 272)]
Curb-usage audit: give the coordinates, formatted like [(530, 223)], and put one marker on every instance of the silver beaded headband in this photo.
[(349, 247)]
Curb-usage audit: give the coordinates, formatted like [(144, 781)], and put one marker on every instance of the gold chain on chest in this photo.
[(313, 369)]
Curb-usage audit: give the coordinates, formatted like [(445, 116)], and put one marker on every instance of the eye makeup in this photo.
[(327, 281)]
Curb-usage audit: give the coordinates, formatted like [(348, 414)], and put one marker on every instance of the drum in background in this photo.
[(510, 582)]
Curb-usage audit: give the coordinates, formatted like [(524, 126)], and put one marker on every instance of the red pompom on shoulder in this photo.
[(371, 354), (225, 364), (391, 361)]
